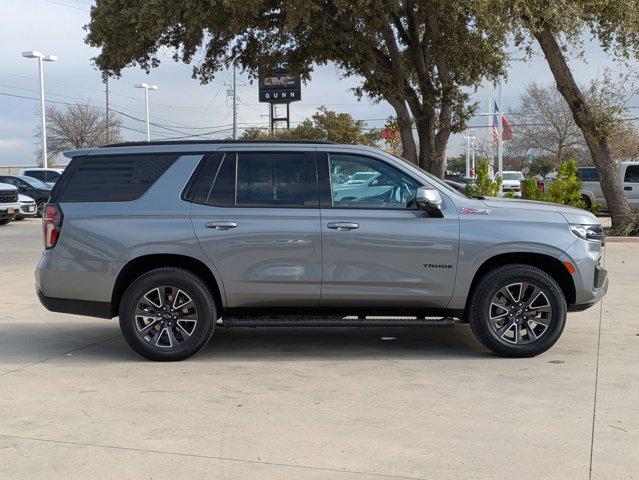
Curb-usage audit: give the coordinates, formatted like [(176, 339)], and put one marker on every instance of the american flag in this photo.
[(508, 131)]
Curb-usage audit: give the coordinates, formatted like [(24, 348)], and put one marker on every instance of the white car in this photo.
[(28, 208), (9, 203), (511, 182), (46, 175)]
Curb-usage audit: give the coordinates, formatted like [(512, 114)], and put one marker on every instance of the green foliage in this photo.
[(566, 188), (324, 125), (457, 164), (530, 189), (630, 226), (484, 186)]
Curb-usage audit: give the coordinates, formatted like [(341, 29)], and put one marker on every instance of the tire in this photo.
[(498, 291), (146, 326), (4, 221), (587, 202)]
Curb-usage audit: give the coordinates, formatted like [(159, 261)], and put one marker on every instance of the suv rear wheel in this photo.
[(167, 314), (517, 311)]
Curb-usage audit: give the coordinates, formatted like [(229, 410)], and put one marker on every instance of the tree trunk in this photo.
[(405, 124), (607, 169)]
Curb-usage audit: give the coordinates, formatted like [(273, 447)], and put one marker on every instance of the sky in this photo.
[(181, 105)]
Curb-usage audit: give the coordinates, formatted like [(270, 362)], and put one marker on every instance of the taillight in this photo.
[(51, 224), (541, 186)]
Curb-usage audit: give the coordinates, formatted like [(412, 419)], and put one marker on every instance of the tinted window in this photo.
[(273, 179), (588, 174), (207, 172), (51, 176), (632, 174), (10, 180), (39, 174), (111, 178), (34, 182), (385, 186)]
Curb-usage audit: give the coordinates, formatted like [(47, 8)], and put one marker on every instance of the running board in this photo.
[(335, 322)]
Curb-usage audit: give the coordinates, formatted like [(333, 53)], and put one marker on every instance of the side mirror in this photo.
[(429, 200)]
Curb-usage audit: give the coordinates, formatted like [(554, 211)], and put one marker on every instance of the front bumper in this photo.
[(9, 210), (590, 277), (28, 209)]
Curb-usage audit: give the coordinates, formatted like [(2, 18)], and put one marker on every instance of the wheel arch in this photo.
[(549, 264), (145, 263)]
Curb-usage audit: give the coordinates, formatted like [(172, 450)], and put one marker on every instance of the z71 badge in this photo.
[(474, 211)]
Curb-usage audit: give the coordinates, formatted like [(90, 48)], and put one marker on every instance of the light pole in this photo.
[(147, 87), (41, 58)]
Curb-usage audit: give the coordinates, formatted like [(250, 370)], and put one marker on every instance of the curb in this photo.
[(622, 239)]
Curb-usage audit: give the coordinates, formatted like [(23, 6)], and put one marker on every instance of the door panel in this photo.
[(387, 253), (256, 217), (394, 258), (631, 185)]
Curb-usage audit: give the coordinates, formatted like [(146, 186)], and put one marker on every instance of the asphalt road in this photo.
[(77, 403)]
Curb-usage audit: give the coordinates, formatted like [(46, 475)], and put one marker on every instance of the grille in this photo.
[(8, 196)]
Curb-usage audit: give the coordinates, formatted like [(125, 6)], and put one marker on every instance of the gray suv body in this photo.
[(176, 238)]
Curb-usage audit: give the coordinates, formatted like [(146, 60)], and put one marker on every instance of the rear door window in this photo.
[(588, 174), (39, 174)]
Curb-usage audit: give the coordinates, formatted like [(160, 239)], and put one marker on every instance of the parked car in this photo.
[(460, 187), (591, 188), (511, 182), (177, 238), (46, 175), (28, 208), (9, 204), (37, 190)]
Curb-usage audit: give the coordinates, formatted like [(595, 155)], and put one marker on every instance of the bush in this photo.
[(484, 186), (630, 227), (530, 190), (566, 188)]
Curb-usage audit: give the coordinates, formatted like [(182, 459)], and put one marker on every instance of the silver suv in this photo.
[(177, 238)]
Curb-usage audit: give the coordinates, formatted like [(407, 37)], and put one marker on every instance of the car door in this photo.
[(380, 250), (256, 216), (631, 185)]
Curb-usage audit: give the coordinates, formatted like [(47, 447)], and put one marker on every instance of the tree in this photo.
[(323, 125), (79, 126), (559, 25), (422, 57), (544, 124)]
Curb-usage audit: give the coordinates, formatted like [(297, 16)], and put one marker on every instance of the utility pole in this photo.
[(106, 81), (500, 145)]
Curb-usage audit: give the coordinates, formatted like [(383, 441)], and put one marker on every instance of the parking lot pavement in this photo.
[(77, 403)]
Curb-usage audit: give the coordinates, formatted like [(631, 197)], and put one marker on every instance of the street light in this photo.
[(41, 58), (146, 88)]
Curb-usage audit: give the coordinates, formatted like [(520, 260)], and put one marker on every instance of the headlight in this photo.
[(588, 232)]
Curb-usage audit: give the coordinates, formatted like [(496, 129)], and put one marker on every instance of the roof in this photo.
[(210, 142)]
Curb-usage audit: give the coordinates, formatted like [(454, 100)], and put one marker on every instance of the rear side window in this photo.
[(39, 174), (51, 176), (632, 174), (588, 174), (112, 178)]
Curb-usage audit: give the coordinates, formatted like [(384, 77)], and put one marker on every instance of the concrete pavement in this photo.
[(77, 403)]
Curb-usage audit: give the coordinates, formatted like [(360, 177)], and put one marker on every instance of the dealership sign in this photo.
[(280, 87)]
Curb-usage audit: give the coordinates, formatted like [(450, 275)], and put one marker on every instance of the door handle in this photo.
[(627, 188), (221, 225), (343, 226)]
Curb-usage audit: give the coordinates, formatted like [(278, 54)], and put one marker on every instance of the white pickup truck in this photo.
[(591, 189), (9, 203)]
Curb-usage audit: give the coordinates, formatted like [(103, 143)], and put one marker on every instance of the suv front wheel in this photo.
[(167, 314), (517, 310)]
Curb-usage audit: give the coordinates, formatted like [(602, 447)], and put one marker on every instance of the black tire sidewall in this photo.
[(194, 287), (488, 287)]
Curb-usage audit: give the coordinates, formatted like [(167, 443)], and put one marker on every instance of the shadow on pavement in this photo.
[(98, 342)]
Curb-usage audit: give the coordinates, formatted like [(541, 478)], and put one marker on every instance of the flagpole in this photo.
[(490, 129), (500, 146)]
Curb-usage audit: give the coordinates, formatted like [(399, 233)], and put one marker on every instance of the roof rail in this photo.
[(208, 142)]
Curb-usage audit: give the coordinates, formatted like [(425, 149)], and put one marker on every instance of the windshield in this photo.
[(432, 177), (511, 176), (34, 182)]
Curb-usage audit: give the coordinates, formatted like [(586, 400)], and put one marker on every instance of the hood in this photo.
[(7, 186), (511, 182), (571, 214), (25, 199)]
